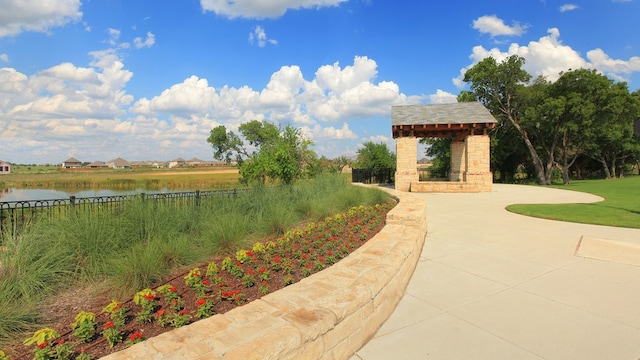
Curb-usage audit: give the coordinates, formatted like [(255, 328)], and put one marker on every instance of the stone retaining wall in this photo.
[(328, 315)]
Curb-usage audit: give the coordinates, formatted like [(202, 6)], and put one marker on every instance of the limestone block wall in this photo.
[(406, 163), (470, 168), (328, 315), (458, 163)]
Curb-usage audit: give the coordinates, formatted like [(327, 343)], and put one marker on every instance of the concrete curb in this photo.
[(328, 315)]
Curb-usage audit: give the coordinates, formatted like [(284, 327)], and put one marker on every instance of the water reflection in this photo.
[(49, 194)]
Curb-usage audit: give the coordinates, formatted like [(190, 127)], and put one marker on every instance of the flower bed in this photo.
[(212, 288)]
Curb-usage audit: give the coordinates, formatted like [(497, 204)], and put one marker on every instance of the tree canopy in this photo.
[(265, 152), (375, 156), (582, 114)]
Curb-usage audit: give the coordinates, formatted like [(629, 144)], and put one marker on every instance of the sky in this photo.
[(149, 79)]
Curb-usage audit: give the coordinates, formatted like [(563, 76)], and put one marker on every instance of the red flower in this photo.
[(135, 336), (249, 253), (183, 312), (308, 265), (201, 302), (108, 325), (250, 272), (60, 341), (238, 263), (173, 289), (305, 256), (277, 259), (330, 253), (206, 282), (264, 282), (262, 270), (321, 259), (43, 345), (149, 297), (160, 312)]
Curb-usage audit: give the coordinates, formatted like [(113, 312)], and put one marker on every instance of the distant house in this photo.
[(177, 162), (119, 163), (72, 163), (194, 162), (5, 167), (97, 165)]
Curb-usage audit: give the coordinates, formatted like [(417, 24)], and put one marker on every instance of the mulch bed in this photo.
[(265, 268)]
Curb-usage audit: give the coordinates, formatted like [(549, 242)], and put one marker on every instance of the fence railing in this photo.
[(15, 214), (373, 176)]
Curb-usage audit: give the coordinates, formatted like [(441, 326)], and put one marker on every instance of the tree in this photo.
[(439, 149), (375, 156), (501, 88), (613, 139), (265, 152)]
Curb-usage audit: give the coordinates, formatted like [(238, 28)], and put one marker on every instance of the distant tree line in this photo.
[(577, 126)]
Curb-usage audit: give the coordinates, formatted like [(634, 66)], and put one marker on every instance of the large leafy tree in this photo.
[(613, 140), (375, 156), (265, 152), (501, 87)]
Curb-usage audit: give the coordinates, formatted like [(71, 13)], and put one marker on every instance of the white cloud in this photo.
[(568, 7), (4, 58), (615, 68), (260, 36), (317, 132), (494, 26), (442, 97), (549, 57), (90, 105), (259, 9), (18, 16), (148, 42), (336, 94)]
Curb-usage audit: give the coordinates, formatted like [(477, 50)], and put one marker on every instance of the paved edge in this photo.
[(608, 250), (328, 315)]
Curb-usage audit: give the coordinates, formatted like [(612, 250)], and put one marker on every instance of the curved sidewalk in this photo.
[(496, 285)]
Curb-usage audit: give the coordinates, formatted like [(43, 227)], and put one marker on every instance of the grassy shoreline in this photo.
[(148, 179)]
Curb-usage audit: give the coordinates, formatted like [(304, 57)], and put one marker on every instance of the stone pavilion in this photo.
[(466, 123)]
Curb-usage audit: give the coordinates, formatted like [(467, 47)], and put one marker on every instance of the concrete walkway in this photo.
[(496, 285)]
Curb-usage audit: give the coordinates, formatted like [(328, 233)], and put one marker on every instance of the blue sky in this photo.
[(148, 80)]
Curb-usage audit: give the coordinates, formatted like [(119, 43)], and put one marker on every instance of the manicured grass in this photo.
[(621, 206)]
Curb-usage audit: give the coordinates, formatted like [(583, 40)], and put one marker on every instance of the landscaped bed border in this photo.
[(328, 315)]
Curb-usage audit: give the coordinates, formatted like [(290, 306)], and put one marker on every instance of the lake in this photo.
[(50, 194)]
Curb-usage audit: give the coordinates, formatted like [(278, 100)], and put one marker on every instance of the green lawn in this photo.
[(621, 206)]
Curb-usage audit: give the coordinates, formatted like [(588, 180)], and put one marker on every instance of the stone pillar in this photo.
[(458, 160), (478, 153), (406, 162)]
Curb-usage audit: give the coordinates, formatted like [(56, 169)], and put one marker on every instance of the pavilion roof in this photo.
[(441, 120)]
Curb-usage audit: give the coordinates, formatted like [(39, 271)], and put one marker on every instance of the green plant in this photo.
[(112, 332), (204, 308), (83, 356), (181, 318), (195, 281), (134, 338), (146, 300), (161, 317), (43, 339), (3, 356), (84, 326)]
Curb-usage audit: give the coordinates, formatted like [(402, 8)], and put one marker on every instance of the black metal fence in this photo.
[(373, 176), (15, 214)]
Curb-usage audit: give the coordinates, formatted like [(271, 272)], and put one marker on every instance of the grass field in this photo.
[(621, 206), (42, 177)]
